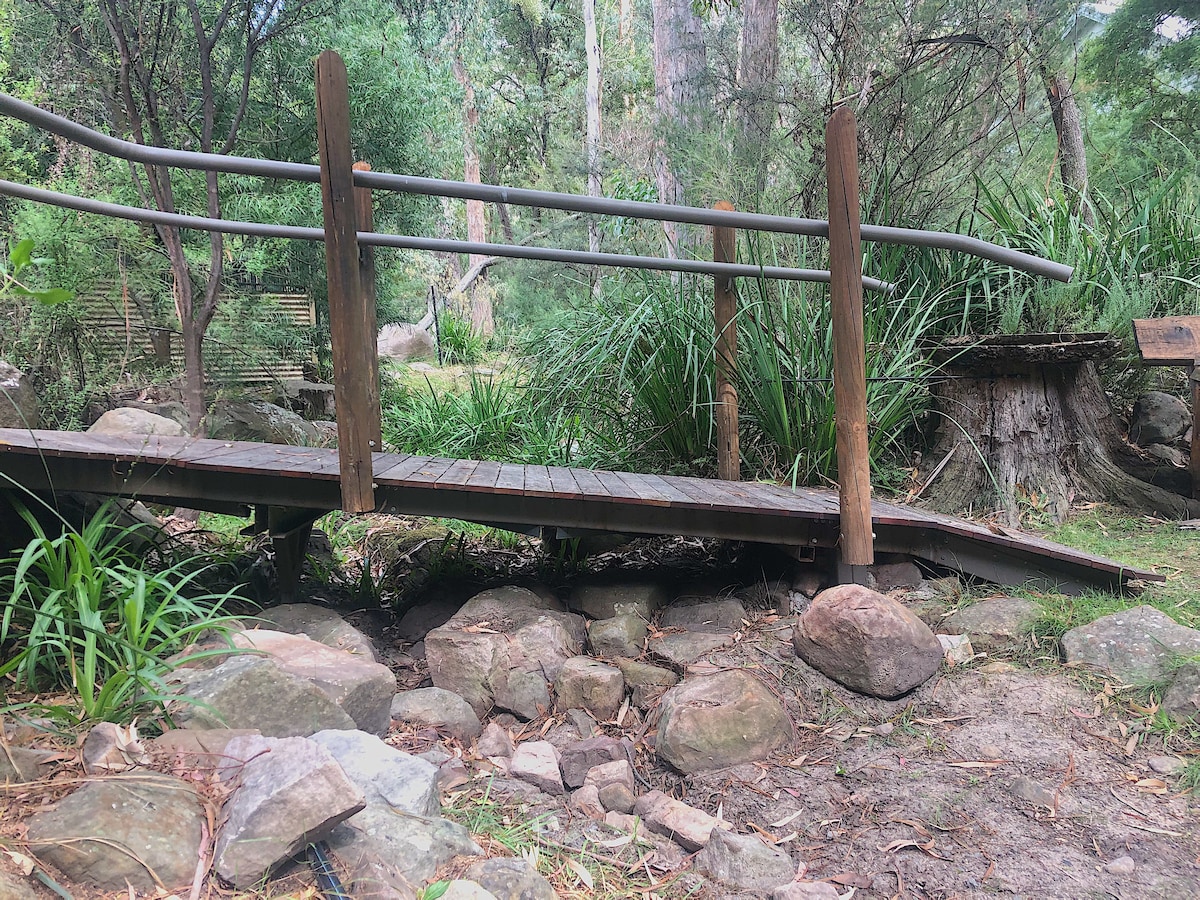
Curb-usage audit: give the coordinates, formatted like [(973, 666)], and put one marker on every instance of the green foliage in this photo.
[(80, 614), (20, 258), (458, 341)]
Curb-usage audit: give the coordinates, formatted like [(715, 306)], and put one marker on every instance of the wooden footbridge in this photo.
[(289, 487)]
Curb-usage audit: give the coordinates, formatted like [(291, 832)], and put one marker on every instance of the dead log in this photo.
[(1024, 422)]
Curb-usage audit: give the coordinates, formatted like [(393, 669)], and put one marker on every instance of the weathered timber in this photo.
[(725, 313), (365, 207)]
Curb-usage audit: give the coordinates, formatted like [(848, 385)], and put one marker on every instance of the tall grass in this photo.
[(80, 614)]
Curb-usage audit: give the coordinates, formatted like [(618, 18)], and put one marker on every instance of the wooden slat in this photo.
[(511, 480), (645, 491), (589, 484), (428, 474), (485, 475), (617, 488), (537, 482), (458, 474), (562, 482), (400, 468), (1169, 341)]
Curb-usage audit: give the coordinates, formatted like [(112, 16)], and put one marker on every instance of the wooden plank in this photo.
[(666, 487), (1195, 461), (729, 464), (589, 485), (856, 547), (644, 491), (617, 489), (458, 474), (562, 481), (365, 208), (537, 482), (1169, 341), (400, 468), (351, 347), (511, 480), (485, 475), (428, 474)]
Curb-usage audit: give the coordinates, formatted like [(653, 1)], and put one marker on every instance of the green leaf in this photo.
[(53, 296), (20, 255)]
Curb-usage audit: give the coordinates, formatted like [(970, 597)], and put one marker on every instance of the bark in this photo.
[(680, 98), (757, 65), (1033, 435), (1068, 128), (480, 303), (592, 103)]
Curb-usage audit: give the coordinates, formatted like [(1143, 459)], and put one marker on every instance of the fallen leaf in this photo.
[(20, 860), (584, 876), (1151, 785), (852, 879), (977, 763), (787, 819)]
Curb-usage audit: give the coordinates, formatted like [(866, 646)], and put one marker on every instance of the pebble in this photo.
[(1025, 788), (1165, 765), (1122, 865), (884, 730)]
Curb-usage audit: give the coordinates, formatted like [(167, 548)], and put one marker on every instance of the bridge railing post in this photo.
[(856, 545), (364, 205), (347, 321), (725, 314)]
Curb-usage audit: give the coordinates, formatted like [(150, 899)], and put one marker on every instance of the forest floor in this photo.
[(1010, 776)]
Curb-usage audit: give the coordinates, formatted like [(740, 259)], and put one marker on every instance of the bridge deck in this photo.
[(223, 474)]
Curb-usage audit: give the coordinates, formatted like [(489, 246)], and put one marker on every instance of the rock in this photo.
[(686, 825), (806, 890), (888, 576), (867, 642), (440, 709), (1136, 645), (586, 800), (109, 748), (158, 817), (808, 580), (460, 889), (705, 614), (399, 823), (619, 771), (494, 742), (773, 595), (956, 648), (292, 791), (404, 342), (1169, 455), (1122, 865), (256, 420), (1025, 788), (127, 420), (18, 399), (586, 683), (1158, 418), (681, 649), (537, 763), (647, 682), (511, 879), (195, 748), (506, 664), (1182, 700), (254, 693), (424, 617), (621, 636), (1166, 765), (995, 624), (362, 688), (321, 624), (744, 862), (617, 798), (13, 887), (579, 758), (931, 612), (20, 764), (720, 720), (606, 597), (583, 722)]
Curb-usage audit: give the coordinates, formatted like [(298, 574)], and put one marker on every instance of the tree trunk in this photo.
[(1026, 427), (757, 63), (592, 102), (680, 73), (480, 303), (1072, 156)]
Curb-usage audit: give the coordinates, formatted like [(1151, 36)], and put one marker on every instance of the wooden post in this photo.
[(366, 274), (725, 313), (1195, 379), (856, 543), (346, 320)]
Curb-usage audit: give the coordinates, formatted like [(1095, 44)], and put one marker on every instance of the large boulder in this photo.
[(291, 792), (995, 624), (866, 641), (88, 834), (711, 614), (1158, 418), (503, 648), (602, 597), (511, 879), (1136, 645), (127, 420), (437, 708), (321, 624), (404, 342), (586, 683), (18, 399), (720, 720), (1182, 700), (399, 834), (257, 420), (745, 862)]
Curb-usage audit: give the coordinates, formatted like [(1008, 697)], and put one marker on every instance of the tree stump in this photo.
[(1025, 424)]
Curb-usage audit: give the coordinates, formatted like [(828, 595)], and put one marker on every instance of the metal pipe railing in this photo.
[(436, 245), (245, 165)]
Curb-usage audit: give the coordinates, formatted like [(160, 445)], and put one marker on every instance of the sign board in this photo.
[(1169, 341)]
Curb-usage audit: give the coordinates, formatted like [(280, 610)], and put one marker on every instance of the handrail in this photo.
[(435, 245), (245, 165)]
